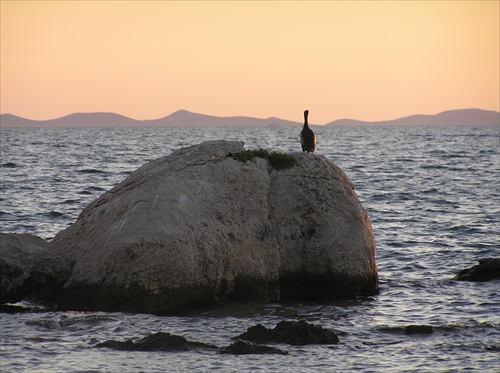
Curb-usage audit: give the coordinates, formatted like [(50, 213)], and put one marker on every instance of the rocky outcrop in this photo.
[(200, 226), (167, 342), (488, 269), (29, 266), (297, 333)]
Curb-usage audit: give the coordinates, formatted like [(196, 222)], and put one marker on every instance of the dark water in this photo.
[(433, 196)]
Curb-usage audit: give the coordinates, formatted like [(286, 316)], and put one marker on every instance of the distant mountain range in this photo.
[(177, 119), (463, 117), (181, 118)]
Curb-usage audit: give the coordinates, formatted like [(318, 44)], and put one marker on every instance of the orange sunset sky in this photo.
[(367, 60)]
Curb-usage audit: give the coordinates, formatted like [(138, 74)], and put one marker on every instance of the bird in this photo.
[(307, 136)]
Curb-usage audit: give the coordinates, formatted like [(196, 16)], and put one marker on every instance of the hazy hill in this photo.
[(186, 118), (177, 119), (463, 117), (72, 120), (180, 118)]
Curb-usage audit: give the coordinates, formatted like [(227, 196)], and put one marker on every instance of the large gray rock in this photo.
[(198, 226), (29, 267)]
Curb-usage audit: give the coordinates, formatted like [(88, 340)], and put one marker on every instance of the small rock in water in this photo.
[(418, 329), (488, 269), (246, 348), (295, 333), (156, 342)]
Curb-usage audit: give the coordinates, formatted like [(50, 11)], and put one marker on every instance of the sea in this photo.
[(433, 198)]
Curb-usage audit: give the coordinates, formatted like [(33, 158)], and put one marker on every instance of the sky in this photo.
[(365, 60)]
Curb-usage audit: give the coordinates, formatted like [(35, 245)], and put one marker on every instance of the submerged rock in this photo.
[(295, 333), (156, 342), (30, 267), (418, 329), (247, 348), (200, 226), (488, 269)]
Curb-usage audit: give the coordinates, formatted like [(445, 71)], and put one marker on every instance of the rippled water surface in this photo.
[(433, 196)]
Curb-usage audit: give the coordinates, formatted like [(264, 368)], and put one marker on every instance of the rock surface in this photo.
[(200, 226), (297, 333), (29, 266), (488, 269)]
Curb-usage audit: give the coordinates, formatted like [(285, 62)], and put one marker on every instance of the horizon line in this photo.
[(243, 116)]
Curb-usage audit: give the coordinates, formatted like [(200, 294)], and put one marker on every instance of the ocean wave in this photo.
[(92, 171)]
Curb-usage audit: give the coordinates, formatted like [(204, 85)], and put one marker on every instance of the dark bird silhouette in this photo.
[(307, 136)]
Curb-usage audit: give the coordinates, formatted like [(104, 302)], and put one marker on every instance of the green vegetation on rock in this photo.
[(277, 160)]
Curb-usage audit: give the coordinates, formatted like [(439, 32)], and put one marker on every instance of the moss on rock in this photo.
[(277, 160)]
